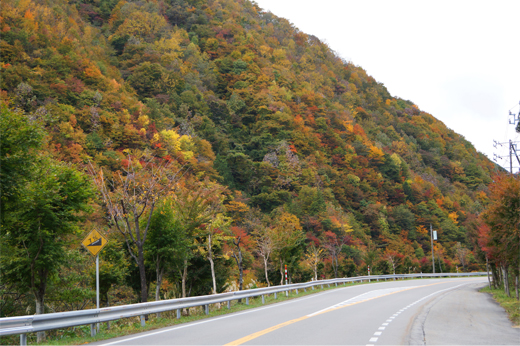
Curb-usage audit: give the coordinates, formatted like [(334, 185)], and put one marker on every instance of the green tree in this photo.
[(36, 235), (20, 140), (167, 242)]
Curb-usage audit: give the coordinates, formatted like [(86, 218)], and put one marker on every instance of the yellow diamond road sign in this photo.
[(94, 242)]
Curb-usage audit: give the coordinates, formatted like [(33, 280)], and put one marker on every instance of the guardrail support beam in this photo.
[(275, 295), (92, 329), (263, 299), (143, 322), (23, 339), (247, 300), (229, 304), (206, 309)]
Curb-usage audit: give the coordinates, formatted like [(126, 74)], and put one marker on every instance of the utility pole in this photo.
[(513, 120), (433, 258), (512, 151)]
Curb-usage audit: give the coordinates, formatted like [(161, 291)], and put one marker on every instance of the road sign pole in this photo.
[(97, 286)]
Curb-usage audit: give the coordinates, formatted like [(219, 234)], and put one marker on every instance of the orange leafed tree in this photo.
[(502, 242)]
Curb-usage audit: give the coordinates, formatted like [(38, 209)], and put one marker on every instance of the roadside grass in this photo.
[(510, 304), (127, 326)]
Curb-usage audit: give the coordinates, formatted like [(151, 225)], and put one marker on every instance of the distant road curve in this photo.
[(415, 312)]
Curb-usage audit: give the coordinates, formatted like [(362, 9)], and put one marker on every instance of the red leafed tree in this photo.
[(502, 241), (333, 244)]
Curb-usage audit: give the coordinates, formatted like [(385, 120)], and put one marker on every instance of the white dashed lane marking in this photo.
[(391, 318)]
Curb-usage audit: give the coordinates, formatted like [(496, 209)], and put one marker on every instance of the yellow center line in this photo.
[(281, 325)]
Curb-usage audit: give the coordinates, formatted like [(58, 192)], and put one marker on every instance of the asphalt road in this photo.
[(416, 312)]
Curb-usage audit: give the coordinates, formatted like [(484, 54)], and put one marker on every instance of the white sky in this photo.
[(457, 60)]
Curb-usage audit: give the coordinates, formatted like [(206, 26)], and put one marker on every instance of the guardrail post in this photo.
[(263, 299), (312, 287), (229, 304), (247, 300), (92, 329), (206, 309), (275, 295), (305, 289), (178, 313), (321, 286), (336, 284), (287, 293), (143, 321), (23, 339)]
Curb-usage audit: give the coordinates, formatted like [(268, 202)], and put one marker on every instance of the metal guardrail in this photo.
[(37, 323)]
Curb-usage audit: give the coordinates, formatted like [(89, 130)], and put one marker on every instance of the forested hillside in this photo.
[(279, 149)]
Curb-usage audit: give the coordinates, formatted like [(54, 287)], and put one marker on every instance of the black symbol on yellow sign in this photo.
[(94, 242)]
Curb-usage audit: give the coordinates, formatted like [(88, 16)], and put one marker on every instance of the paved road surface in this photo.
[(416, 312)]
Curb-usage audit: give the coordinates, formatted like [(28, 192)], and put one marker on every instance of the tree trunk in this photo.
[(516, 286), (487, 270), (39, 294), (159, 273), (238, 259), (210, 258), (281, 272), (240, 271), (184, 277), (506, 281), (142, 275), (40, 336), (494, 274), (265, 270), (336, 267)]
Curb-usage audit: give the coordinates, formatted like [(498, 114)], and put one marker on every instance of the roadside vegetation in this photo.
[(510, 304)]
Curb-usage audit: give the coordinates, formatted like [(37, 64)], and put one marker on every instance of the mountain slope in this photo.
[(272, 113)]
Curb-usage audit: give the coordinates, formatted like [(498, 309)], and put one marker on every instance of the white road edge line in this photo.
[(227, 316)]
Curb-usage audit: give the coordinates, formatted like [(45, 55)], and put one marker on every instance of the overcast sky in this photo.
[(457, 60)]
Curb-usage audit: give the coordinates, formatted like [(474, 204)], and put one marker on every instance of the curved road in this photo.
[(415, 312)]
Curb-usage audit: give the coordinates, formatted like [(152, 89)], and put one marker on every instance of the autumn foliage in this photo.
[(316, 164)]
